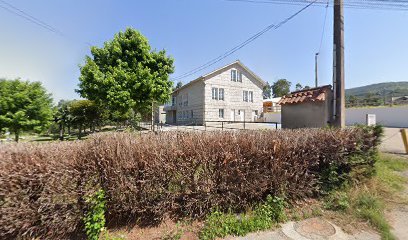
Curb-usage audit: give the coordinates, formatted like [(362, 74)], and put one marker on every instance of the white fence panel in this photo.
[(396, 116), (387, 116)]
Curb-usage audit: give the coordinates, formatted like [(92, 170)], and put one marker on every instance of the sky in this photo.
[(196, 31)]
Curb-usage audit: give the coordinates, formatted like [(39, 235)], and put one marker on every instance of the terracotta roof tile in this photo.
[(307, 95)]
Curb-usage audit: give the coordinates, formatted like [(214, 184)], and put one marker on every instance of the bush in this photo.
[(219, 224), (337, 200), (353, 162), (44, 187), (95, 215)]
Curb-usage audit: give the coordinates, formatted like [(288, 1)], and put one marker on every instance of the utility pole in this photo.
[(338, 64), (316, 72)]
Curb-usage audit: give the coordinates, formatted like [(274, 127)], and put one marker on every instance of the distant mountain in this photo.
[(395, 89)]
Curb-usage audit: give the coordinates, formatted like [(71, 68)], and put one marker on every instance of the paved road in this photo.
[(392, 141)]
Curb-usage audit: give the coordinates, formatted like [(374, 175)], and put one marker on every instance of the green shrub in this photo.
[(95, 216), (273, 209), (264, 216), (337, 200), (352, 165)]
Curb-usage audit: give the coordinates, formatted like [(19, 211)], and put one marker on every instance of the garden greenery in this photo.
[(264, 216), (95, 215)]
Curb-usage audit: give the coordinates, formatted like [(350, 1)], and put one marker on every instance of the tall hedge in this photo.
[(43, 187)]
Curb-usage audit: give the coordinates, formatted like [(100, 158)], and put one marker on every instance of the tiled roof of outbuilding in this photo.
[(307, 95)]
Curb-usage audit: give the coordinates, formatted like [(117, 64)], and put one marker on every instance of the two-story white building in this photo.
[(230, 93)]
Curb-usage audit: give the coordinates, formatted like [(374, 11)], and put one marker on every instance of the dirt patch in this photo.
[(168, 229), (348, 223)]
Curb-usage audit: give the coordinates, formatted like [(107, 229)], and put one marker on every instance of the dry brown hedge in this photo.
[(42, 186)]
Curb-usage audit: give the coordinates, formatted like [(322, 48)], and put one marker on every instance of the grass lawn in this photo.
[(369, 201)]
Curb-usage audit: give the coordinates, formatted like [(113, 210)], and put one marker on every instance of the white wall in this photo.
[(386, 116), (272, 117), (194, 94)]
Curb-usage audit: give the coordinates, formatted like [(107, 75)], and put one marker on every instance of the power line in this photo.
[(30, 18), (324, 27), (243, 44), (18, 12), (399, 5)]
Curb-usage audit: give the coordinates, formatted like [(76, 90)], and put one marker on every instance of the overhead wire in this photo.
[(23, 14), (324, 27), (399, 5), (241, 45)]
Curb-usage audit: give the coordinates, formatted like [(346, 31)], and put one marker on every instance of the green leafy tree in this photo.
[(298, 87), (267, 91), (372, 99), (126, 74), (351, 101), (24, 106), (306, 87), (281, 87), (84, 112), (63, 117), (179, 85)]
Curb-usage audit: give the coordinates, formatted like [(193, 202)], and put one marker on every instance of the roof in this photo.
[(263, 83), (307, 95)]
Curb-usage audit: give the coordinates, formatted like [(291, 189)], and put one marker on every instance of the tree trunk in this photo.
[(152, 122), (79, 131), (61, 132), (16, 135), (69, 129)]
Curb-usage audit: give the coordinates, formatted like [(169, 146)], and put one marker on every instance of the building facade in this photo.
[(310, 108), (231, 93)]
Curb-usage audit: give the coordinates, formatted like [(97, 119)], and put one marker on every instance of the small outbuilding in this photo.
[(309, 108)]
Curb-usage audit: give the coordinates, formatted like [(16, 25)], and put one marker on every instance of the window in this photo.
[(192, 116), (179, 100), (251, 96), (221, 94), (245, 96), (215, 93), (239, 77), (185, 100), (234, 75), (221, 113), (173, 101)]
